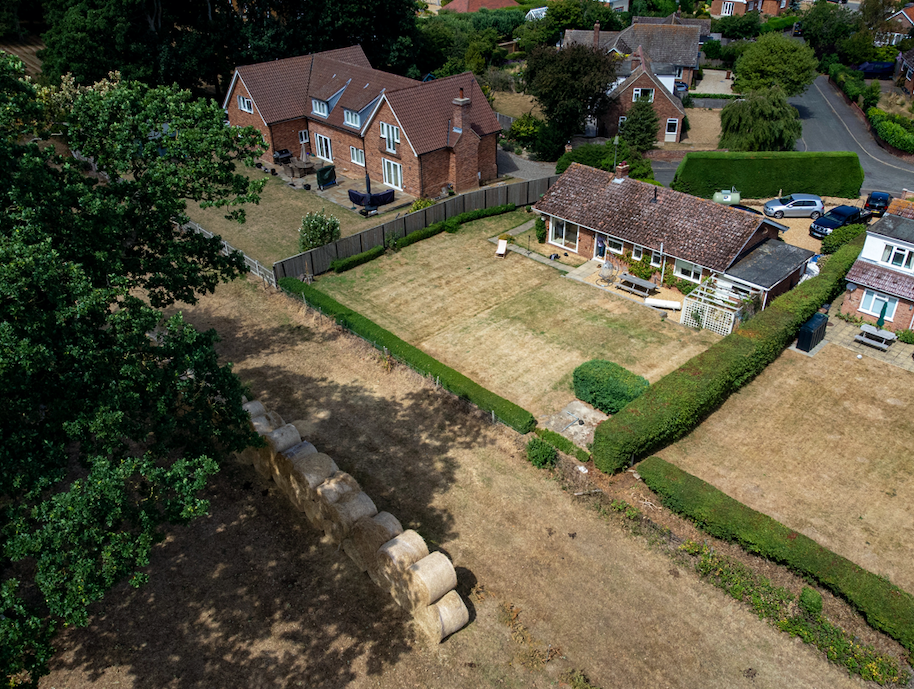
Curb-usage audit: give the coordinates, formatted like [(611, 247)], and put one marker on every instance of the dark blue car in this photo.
[(837, 217)]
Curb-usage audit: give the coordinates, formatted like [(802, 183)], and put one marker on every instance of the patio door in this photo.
[(324, 149)]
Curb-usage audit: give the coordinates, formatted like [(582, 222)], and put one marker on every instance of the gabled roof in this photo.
[(693, 229), (901, 207), (769, 263), (362, 86), (425, 111), (894, 227), (464, 6), (881, 278), (906, 13), (644, 69), (703, 24), (672, 44), (605, 39)]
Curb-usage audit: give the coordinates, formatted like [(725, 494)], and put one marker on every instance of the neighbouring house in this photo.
[(466, 6), (419, 137), (905, 70), (676, 19), (897, 26), (883, 275), (729, 8), (736, 258)]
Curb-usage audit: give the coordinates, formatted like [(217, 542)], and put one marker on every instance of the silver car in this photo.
[(795, 206)]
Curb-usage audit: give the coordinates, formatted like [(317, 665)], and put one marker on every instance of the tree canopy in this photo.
[(775, 60), (114, 416), (641, 125), (567, 14), (762, 121), (825, 25)]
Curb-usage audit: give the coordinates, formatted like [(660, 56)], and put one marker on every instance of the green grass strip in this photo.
[(885, 606), (563, 444)]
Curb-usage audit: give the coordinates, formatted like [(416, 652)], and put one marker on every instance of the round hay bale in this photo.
[(302, 449), (328, 493), (394, 558), (261, 424), (254, 408), (429, 579), (443, 618), (282, 438), (307, 428), (306, 474), (369, 534), (345, 512)]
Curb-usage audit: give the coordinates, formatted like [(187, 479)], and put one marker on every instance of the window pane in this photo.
[(571, 236), (867, 302), (887, 253), (898, 257), (558, 229), (637, 252), (909, 260)]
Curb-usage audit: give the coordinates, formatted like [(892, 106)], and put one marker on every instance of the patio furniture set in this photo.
[(875, 337)]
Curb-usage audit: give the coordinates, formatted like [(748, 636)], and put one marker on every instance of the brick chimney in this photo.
[(622, 170), (637, 58), (596, 35), (461, 112)]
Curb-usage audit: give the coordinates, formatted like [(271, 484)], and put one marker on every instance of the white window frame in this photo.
[(675, 123), (357, 155), (303, 136), (687, 270), (392, 180), (391, 136), (637, 252), (245, 104), (727, 10), (320, 142), (557, 225), (615, 246), (876, 300), (904, 254), (656, 259), (679, 72), (622, 119), (352, 118), (637, 93), (320, 107)]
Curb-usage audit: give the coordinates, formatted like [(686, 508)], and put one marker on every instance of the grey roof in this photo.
[(646, 68), (675, 45), (605, 39), (882, 279), (703, 24), (769, 263), (895, 227)]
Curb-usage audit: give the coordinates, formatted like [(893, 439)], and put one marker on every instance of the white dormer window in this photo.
[(898, 256), (351, 117), (645, 93), (391, 135), (245, 104), (319, 107)]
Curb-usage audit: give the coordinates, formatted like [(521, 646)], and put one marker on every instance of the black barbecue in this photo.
[(282, 157)]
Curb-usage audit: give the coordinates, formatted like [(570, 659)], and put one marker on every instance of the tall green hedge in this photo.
[(678, 402), (895, 130), (606, 385), (765, 174), (886, 607), (518, 418)]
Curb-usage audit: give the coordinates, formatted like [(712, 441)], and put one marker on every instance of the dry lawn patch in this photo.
[(823, 445), (515, 104), (704, 130)]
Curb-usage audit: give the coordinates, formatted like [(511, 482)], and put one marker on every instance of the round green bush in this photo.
[(811, 601), (606, 385), (540, 453)]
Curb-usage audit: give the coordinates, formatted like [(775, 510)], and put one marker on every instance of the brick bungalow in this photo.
[(599, 215), (412, 136), (883, 275), (898, 25)]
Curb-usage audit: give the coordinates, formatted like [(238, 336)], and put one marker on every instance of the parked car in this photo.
[(798, 29), (681, 88), (877, 203), (838, 217), (795, 206), (746, 208)]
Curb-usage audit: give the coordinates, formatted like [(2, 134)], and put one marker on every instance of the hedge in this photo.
[(452, 224), (514, 416), (779, 23), (679, 401), (563, 444), (606, 385), (541, 454), (766, 174), (341, 264), (895, 130), (885, 606), (841, 236)]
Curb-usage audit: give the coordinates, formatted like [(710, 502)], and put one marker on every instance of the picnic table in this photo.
[(875, 337), (630, 283)]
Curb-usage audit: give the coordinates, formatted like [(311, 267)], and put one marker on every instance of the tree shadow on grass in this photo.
[(250, 595)]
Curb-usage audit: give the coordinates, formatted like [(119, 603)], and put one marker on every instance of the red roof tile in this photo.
[(901, 207), (882, 279)]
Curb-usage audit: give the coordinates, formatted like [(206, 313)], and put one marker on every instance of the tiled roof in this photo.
[(644, 68), (769, 263), (906, 13), (882, 279), (703, 24), (606, 40), (894, 227), (901, 207), (677, 45), (464, 6), (424, 111), (693, 229), (280, 88)]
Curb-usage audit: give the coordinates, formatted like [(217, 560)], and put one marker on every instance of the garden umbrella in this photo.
[(881, 321)]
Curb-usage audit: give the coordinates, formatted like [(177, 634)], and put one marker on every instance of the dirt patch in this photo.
[(704, 131), (895, 104), (821, 444), (250, 597)]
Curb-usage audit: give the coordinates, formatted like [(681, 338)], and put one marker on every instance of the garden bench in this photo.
[(863, 339), (642, 288), (875, 337)]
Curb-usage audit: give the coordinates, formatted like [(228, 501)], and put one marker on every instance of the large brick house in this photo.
[(737, 8), (599, 215), (883, 275), (417, 137), (898, 25)]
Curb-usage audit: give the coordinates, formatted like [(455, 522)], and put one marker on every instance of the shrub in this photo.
[(885, 607), (453, 224), (906, 336), (563, 444), (763, 174), (540, 453), (421, 203), (540, 228), (840, 237), (712, 49), (512, 415), (317, 229), (679, 401), (606, 385), (810, 601), (525, 128), (343, 264), (895, 130)]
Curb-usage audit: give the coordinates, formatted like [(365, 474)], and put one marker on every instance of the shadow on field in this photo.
[(249, 595)]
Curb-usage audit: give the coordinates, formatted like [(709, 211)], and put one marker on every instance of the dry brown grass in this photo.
[(823, 445), (896, 104), (515, 104), (704, 131)]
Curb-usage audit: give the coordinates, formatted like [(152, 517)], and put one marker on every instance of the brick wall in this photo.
[(901, 320), (239, 118), (376, 151), (488, 167), (436, 172), (622, 103), (717, 8), (285, 135)]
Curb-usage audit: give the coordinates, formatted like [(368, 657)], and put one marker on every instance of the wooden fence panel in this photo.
[(348, 246), (415, 221), (453, 206), (474, 200), (435, 214), (535, 189), (395, 229), (517, 194), (496, 196), (372, 238), (322, 257)]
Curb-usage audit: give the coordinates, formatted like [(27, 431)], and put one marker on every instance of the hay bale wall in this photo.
[(397, 561)]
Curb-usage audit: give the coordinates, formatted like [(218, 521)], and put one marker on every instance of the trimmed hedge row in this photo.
[(341, 264), (841, 236), (679, 401), (452, 224), (885, 606), (765, 174), (563, 444), (895, 130), (514, 416), (606, 385)]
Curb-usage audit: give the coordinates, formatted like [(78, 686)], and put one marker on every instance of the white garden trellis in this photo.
[(715, 307)]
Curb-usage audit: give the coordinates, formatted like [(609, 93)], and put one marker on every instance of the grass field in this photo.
[(823, 445), (271, 230), (515, 104), (513, 325)]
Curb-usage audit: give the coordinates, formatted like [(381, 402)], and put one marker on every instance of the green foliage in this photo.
[(825, 25), (525, 128), (341, 265), (563, 444), (606, 385), (562, 15), (453, 224), (885, 607), (641, 268), (895, 130), (774, 604), (679, 401), (541, 454), (737, 26), (851, 82), (317, 229), (550, 142), (857, 48), (604, 156), (760, 175), (763, 121), (778, 24), (421, 203), (539, 227), (712, 49), (732, 52), (776, 60), (512, 415), (810, 601), (641, 126), (840, 237)]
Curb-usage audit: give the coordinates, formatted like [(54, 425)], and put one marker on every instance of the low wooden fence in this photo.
[(317, 261), (505, 121), (255, 266)]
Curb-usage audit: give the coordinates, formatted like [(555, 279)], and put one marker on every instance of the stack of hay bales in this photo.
[(398, 561)]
